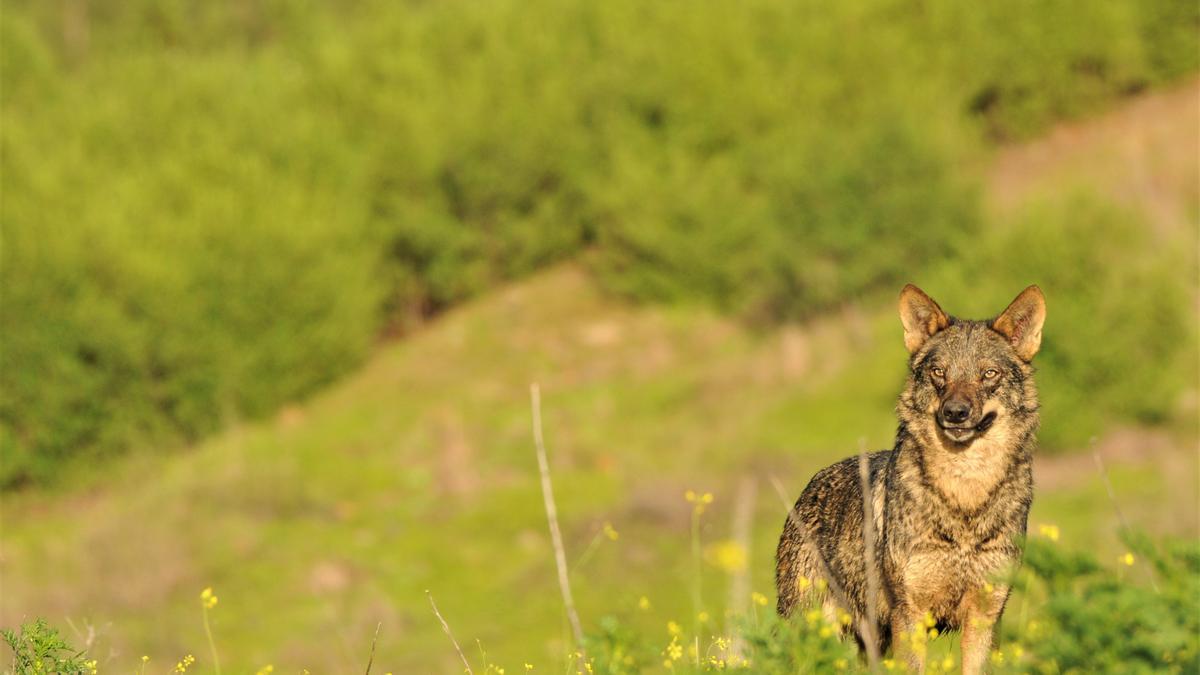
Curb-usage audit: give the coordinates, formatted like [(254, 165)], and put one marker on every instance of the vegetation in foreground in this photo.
[(1070, 614)]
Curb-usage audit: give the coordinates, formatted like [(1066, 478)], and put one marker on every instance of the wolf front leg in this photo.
[(908, 637), (982, 612)]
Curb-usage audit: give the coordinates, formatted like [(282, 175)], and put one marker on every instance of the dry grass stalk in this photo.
[(560, 556), (1112, 498), (374, 640), (446, 627)]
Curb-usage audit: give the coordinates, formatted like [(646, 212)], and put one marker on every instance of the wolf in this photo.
[(949, 502)]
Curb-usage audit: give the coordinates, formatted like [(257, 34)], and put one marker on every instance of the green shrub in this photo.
[(212, 208), (1095, 620), (1075, 616), (174, 258), (38, 648), (1020, 66)]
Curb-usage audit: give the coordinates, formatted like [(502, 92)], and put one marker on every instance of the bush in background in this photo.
[(174, 258), (210, 209)]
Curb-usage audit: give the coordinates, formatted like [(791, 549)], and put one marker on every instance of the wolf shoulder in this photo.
[(838, 487)]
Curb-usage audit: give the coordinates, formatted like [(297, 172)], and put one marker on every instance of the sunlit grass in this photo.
[(343, 510)]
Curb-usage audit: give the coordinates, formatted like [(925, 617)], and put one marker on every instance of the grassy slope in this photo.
[(418, 473)]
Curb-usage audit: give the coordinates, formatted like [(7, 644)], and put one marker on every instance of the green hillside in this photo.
[(418, 473), (276, 277), (213, 209)]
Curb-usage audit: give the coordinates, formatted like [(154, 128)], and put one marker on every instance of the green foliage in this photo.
[(1097, 621), (212, 208), (1022, 65), (175, 258), (759, 643), (38, 648), (1088, 618)]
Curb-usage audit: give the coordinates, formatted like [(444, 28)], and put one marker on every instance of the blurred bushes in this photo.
[(1022, 65), (211, 208), (174, 257)]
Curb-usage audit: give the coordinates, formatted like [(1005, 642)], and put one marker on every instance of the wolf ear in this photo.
[(921, 317), (1021, 323)]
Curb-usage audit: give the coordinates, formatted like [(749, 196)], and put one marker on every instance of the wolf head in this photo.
[(970, 380)]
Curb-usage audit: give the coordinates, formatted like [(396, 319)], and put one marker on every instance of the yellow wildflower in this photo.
[(611, 532), (1049, 531), (997, 656), (643, 603), (674, 650), (759, 599), (208, 598), (698, 501), (1127, 559), (673, 628), (727, 555), (702, 617)]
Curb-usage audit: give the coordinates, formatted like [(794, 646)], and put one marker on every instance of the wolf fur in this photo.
[(950, 500)]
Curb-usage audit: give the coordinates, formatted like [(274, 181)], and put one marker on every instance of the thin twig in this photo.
[(560, 556), (587, 552), (212, 646), (868, 532), (739, 583), (446, 627), (1112, 497), (371, 659), (697, 583)]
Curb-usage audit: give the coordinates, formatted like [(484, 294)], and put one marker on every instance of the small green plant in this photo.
[(1094, 619), (1140, 613), (39, 648)]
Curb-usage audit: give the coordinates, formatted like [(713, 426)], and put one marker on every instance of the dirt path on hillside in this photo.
[(1145, 154)]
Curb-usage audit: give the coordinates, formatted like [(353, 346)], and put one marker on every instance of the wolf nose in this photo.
[(955, 411)]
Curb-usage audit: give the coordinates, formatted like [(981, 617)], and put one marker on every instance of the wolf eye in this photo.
[(938, 372), (990, 373)]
